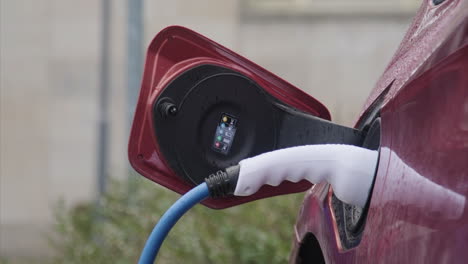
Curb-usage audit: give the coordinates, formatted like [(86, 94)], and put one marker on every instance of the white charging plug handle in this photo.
[(350, 170)]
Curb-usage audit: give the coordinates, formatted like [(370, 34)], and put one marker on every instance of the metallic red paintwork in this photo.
[(173, 51), (418, 212)]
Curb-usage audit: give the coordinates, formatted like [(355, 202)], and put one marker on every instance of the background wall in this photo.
[(49, 80)]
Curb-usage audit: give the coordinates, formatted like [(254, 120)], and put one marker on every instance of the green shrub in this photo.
[(115, 230)]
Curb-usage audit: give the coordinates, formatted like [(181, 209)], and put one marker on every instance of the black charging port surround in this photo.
[(211, 117), (351, 219)]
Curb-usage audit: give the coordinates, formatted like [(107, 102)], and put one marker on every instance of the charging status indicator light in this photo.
[(225, 132)]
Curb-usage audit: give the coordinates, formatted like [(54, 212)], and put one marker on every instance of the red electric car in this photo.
[(416, 116), (418, 211)]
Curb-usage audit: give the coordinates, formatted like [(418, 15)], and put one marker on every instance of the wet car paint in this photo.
[(418, 212)]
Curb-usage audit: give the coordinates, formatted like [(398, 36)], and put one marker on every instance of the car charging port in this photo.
[(356, 216), (351, 219)]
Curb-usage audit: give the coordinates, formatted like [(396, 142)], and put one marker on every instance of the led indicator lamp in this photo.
[(225, 132)]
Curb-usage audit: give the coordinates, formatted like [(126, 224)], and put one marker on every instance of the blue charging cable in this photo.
[(168, 220), (315, 163)]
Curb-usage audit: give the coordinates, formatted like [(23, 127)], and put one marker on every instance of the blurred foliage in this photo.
[(115, 229)]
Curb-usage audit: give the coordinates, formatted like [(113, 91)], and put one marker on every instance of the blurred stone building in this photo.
[(49, 77)]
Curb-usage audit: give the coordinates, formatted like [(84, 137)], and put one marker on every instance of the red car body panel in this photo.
[(173, 51), (418, 212)]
